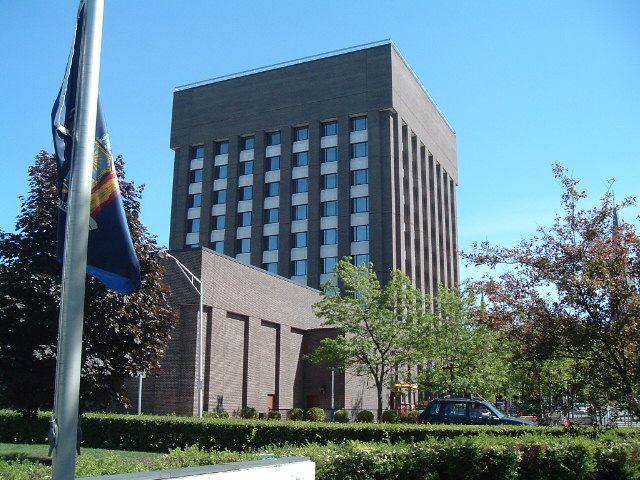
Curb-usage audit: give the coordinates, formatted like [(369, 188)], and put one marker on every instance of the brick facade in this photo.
[(258, 327)]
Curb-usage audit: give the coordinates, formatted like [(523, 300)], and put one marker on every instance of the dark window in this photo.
[(217, 246), (359, 150), (246, 143), (359, 204), (330, 236), (273, 138), (218, 222), (362, 259), (360, 233), (299, 239), (329, 180), (193, 225), (222, 148), (195, 200), (270, 242), (329, 154), (299, 267), (455, 410), (329, 264), (272, 164), (360, 177), (300, 212), (271, 267), (271, 215), (300, 159), (245, 193), (272, 189), (219, 196), (197, 152), (329, 128), (330, 208), (220, 171), (195, 176), (244, 219), (358, 123), (243, 245), (245, 168), (300, 133), (300, 185)]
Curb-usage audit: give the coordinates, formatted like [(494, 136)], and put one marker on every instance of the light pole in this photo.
[(196, 283), (333, 388), (140, 377)]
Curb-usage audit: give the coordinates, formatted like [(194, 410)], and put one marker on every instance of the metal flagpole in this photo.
[(69, 353), (196, 283)]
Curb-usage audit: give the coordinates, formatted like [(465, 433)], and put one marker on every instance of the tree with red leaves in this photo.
[(572, 294), (123, 335)]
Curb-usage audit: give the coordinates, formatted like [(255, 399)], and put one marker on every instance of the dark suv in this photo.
[(466, 411)]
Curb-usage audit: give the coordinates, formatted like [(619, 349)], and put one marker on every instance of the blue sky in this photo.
[(524, 85)]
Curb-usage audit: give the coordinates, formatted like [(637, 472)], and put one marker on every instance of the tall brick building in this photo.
[(282, 171), (289, 168)]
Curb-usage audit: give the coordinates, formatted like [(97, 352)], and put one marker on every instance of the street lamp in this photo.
[(196, 283)]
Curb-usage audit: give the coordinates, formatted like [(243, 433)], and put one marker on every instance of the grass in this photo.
[(39, 453)]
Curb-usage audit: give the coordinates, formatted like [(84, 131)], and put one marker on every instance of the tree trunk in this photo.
[(379, 390)]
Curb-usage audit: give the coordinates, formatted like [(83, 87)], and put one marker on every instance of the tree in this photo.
[(123, 335), (378, 326), (465, 356), (572, 293)]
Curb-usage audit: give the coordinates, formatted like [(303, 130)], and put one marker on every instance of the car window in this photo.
[(434, 409), (455, 409), (478, 410)]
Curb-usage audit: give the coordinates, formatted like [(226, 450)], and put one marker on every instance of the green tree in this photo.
[(572, 293), (378, 326), (123, 335), (465, 356)]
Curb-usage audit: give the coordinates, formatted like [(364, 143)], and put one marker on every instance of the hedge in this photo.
[(161, 433), (479, 458)]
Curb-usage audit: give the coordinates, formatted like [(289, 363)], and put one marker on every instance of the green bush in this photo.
[(410, 417), (221, 414), (364, 416), (274, 415), (390, 416), (295, 414), (316, 414), (484, 457), (162, 433), (248, 413), (341, 416)]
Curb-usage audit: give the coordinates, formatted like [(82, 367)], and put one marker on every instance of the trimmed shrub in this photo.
[(295, 414), (162, 433), (411, 417), (364, 416), (316, 414), (274, 415), (221, 414), (341, 416), (390, 416), (248, 413)]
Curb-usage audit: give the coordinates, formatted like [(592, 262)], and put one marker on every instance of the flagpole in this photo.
[(69, 353)]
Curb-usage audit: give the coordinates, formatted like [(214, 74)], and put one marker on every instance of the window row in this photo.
[(272, 164), (272, 189), (298, 212), (275, 138)]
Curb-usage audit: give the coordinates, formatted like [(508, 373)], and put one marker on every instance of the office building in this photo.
[(290, 168)]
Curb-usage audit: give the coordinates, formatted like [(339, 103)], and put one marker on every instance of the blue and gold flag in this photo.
[(111, 257)]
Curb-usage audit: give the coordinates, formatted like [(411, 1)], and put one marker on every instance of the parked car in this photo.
[(467, 411)]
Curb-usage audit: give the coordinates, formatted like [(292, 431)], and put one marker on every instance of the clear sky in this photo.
[(524, 85)]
